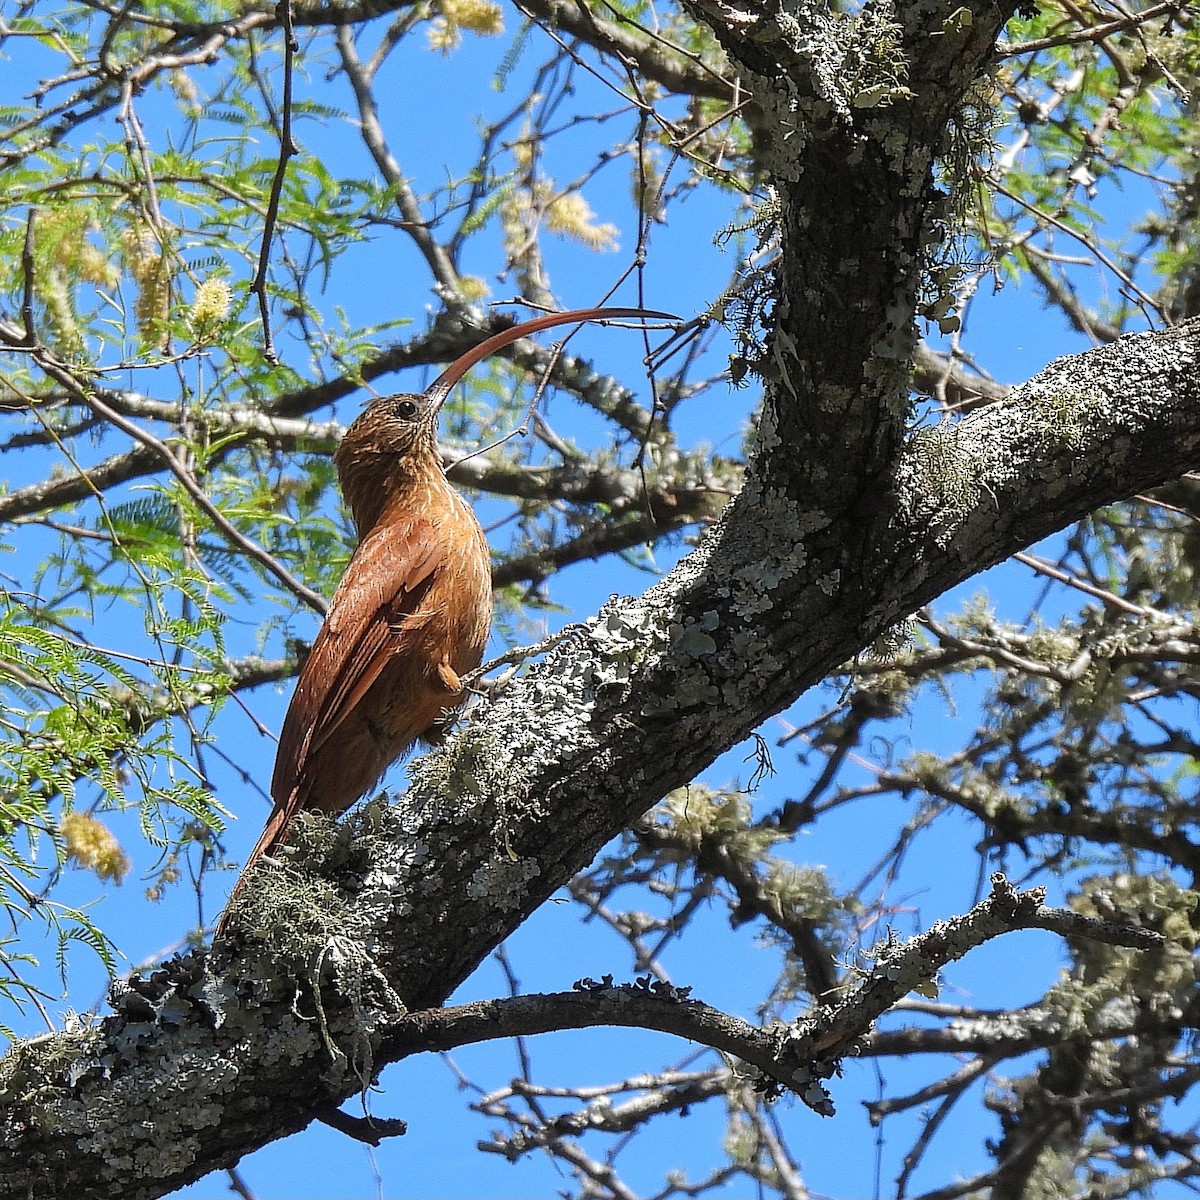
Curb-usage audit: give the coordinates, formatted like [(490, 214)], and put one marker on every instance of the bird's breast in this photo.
[(459, 600)]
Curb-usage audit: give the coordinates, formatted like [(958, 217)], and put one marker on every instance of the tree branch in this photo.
[(200, 1038)]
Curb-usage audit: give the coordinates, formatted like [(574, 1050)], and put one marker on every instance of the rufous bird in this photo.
[(411, 614)]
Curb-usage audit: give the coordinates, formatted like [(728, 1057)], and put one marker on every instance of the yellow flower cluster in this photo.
[(212, 303), (567, 214), (482, 17), (64, 234), (66, 255), (150, 266), (473, 288), (571, 216), (91, 845)]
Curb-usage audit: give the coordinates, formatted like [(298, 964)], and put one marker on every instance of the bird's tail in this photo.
[(276, 831)]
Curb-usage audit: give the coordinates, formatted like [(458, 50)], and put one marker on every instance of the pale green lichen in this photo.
[(291, 904), (295, 905), (854, 60), (893, 642), (1063, 416), (1054, 645), (971, 143), (31, 1070), (742, 308), (502, 882), (830, 583), (874, 69), (952, 468), (945, 475), (697, 814), (951, 243)]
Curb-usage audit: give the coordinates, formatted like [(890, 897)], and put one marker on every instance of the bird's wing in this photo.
[(385, 580)]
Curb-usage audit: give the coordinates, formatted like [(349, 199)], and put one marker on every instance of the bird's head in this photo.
[(392, 445), (396, 427)]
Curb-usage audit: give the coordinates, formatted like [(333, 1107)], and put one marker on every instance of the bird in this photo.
[(411, 615)]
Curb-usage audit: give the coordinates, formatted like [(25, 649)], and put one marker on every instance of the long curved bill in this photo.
[(441, 386)]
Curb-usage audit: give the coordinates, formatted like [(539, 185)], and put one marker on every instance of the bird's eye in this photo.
[(407, 409)]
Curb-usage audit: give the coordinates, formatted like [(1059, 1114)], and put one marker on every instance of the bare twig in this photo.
[(795, 1058), (1092, 33), (27, 267), (287, 148), (372, 1131)]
